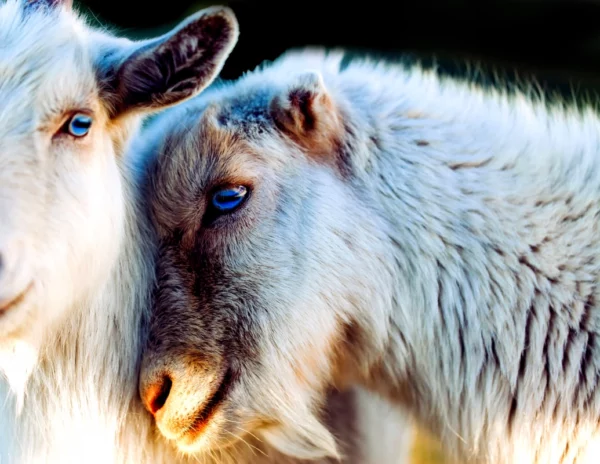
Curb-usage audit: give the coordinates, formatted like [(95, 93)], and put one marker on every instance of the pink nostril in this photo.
[(157, 394)]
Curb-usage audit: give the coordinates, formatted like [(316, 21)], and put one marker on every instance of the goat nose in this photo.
[(155, 394)]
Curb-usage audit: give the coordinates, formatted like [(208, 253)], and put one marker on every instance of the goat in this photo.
[(383, 225)]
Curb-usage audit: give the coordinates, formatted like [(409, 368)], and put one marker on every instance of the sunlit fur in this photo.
[(436, 241), (70, 222), (64, 219), (366, 428), (69, 350)]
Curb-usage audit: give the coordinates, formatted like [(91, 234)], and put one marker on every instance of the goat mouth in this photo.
[(17, 300), (204, 415)]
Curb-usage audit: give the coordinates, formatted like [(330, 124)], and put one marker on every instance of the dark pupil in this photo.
[(82, 123), (229, 198)]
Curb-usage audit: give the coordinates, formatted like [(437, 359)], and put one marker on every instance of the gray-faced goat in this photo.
[(433, 241)]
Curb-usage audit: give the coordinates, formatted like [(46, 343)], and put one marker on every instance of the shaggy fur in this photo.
[(366, 428), (433, 240), (76, 257), (76, 264)]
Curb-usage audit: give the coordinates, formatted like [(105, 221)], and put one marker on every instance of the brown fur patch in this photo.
[(308, 116)]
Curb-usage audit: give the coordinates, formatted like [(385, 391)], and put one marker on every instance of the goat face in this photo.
[(266, 252), (69, 98)]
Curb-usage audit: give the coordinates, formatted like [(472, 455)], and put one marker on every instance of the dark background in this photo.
[(555, 41)]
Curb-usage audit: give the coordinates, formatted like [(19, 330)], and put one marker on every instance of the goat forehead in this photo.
[(226, 135), (41, 31), (195, 156), (246, 110), (42, 56)]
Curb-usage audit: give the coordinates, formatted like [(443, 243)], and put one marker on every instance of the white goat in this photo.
[(76, 265), (436, 242), (76, 257)]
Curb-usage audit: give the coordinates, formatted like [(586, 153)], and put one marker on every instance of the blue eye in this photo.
[(228, 199), (79, 125)]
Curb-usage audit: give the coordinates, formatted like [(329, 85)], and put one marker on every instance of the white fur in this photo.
[(462, 249), (68, 209), (70, 220), (492, 222)]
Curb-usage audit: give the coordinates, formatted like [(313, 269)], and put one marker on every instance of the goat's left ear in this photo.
[(306, 112), (157, 73)]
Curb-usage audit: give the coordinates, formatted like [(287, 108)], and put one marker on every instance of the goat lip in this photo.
[(7, 305), (209, 408)]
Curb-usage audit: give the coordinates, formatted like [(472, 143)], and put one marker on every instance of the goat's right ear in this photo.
[(154, 74)]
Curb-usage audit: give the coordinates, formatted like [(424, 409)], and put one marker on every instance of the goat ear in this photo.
[(162, 72), (306, 112)]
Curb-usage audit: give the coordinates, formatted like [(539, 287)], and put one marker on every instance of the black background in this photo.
[(558, 41)]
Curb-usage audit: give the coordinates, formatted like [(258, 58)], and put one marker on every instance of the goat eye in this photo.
[(228, 199), (79, 125)]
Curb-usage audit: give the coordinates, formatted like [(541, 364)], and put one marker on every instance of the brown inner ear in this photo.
[(167, 70), (310, 118)]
